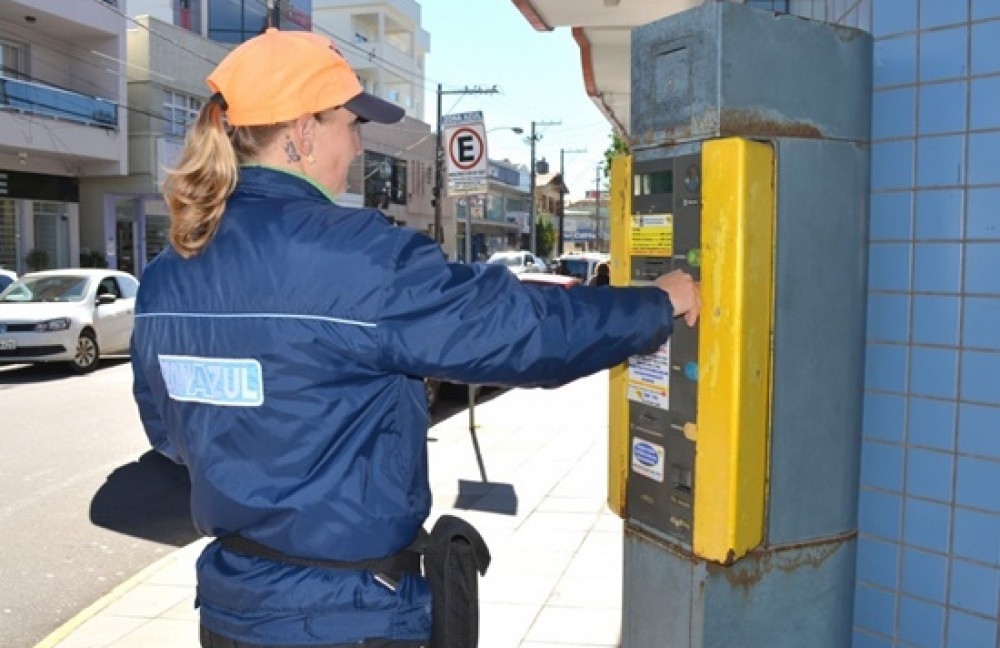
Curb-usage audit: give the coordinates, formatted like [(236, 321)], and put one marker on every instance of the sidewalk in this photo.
[(555, 579)]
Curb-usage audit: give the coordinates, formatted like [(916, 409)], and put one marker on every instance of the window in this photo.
[(8, 235), (187, 15), (108, 286), (51, 223), (385, 180), (179, 110), (14, 60), (234, 21), (128, 286)]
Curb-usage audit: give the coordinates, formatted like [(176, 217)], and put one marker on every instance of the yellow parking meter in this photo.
[(734, 449), (711, 214)]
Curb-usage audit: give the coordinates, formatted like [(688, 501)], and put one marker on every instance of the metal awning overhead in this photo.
[(602, 30)]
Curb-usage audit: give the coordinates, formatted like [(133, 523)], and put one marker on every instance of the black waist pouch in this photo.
[(455, 558)]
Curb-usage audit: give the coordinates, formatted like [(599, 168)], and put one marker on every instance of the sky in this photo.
[(489, 43)]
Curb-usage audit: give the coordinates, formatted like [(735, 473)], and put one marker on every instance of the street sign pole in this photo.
[(438, 190)]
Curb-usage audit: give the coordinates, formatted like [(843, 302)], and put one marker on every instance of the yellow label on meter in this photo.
[(652, 235)]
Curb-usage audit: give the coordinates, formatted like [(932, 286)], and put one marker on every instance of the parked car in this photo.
[(7, 277), (518, 261), (72, 315), (540, 279), (581, 265)]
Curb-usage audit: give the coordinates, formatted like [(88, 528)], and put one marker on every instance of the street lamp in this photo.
[(517, 129)]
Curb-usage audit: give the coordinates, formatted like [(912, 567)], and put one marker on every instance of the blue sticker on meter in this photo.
[(648, 459)]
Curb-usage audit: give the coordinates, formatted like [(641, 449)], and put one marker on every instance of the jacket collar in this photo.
[(270, 182)]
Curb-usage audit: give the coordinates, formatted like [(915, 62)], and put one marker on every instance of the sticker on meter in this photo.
[(649, 378), (652, 235), (648, 459)]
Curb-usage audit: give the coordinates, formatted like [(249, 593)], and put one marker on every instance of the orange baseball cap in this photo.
[(281, 75)]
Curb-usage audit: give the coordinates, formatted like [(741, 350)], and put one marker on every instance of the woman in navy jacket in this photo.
[(280, 345)]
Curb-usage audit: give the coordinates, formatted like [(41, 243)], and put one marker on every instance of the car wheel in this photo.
[(87, 354), (432, 388)]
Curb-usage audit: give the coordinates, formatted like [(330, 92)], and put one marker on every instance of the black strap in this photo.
[(406, 561), (212, 639)]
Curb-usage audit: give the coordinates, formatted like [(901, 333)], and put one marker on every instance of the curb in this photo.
[(73, 624)]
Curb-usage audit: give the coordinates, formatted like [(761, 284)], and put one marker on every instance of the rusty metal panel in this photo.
[(780, 597), (726, 69)]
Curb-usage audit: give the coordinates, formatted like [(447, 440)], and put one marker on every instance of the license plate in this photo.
[(8, 344)]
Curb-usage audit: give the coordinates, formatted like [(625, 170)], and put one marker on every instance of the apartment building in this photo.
[(384, 43), (62, 88), (167, 66), (386, 46), (174, 44)]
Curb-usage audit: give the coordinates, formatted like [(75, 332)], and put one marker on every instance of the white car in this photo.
[(581, 265), (72, 315), (518, 261)]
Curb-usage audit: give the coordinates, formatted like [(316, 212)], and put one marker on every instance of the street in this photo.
[(85, 505)]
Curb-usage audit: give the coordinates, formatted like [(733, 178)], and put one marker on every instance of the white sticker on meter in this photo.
[(648, 459), (649, 378)]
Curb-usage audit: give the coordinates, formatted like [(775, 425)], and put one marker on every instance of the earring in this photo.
[(311, 159), (290, 151)]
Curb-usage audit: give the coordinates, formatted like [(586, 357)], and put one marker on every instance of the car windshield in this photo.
[(505, 261), (69, 288), (576, 267)]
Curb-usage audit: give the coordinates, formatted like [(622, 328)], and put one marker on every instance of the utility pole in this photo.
[(273, 14), (533, 238), (597, 210), (560, 243), (439, 155)]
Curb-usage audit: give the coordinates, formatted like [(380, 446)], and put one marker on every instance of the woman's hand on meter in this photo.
[(684, 293)]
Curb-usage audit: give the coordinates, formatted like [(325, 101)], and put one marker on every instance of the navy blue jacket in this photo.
[(282, 365)]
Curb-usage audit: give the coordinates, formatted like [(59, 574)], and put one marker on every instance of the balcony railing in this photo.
[(38, 99)]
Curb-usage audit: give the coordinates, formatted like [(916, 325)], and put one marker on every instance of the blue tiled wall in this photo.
[(929, 544), (928, 572)]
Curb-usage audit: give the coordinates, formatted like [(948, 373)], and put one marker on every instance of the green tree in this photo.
[(617, 146), (545, 236)]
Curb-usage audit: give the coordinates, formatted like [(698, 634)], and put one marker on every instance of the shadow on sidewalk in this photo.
[(486, 496), (149, 498)]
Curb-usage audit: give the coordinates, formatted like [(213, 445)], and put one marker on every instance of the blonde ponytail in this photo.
[(197, 188)]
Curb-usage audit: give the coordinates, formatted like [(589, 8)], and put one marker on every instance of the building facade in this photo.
[(384, 43), (126, 217), (62, 88), (498, 219), (125, 220)]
